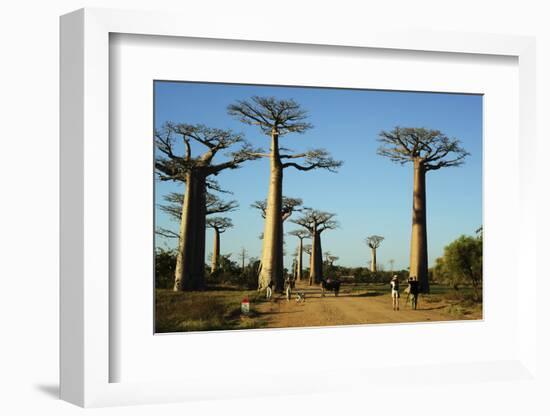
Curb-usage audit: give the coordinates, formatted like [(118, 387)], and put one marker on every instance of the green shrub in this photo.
[(165, 264)]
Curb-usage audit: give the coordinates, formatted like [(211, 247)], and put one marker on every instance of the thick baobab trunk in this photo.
[(189, 272), (373, 264), (310, 262), (311, 266), (318, 259), (199, 252), (272, 244), (279, 278), (182, 257), (419, 237), (185, 272), (299, 261), (215, 251), (316, 273)]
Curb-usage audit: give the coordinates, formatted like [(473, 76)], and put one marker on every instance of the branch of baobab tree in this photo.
[(215, 186), (290, 205), (245, 153), (213, 138), (296, 156), (172, 170), (260, 154), (446, 163), (300, 167), (314, 159), (214, 205), (164, 232)]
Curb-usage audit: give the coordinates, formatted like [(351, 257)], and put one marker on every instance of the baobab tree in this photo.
[(316, 222), (243, 254), (194, 171), (392, 262), (427, 150), (219, 225), (289, 206), (301, 234), (277, 118), (373, 241), (331, 259)]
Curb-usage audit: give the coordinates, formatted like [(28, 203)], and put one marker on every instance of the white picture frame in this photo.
[(85, 165)]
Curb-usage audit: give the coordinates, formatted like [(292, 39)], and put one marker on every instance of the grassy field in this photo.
[(219, 308), (215, 309)]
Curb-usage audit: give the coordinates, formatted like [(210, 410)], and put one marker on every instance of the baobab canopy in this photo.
[(269, 113), (431, 147)]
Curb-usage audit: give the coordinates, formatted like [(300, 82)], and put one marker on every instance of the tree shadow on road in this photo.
[(431, 309), (279, 312), (360, 295)]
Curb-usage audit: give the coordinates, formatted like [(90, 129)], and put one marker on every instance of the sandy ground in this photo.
[(348, 308)]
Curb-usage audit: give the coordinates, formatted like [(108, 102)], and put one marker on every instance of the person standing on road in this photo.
[(394, 283), (414, 289), (288, 288), (269, 291)]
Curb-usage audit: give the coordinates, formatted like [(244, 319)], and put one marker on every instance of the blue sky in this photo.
[(369, 194)]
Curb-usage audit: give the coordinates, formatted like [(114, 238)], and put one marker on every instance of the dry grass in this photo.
[(204, 311), (459, 303)]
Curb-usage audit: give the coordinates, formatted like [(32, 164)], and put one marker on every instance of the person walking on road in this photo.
[(394, 283), (288, 289)]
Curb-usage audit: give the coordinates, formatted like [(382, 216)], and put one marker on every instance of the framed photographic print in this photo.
[(230, 199), (286, 270)]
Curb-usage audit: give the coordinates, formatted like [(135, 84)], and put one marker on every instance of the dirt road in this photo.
[(350, 307)]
